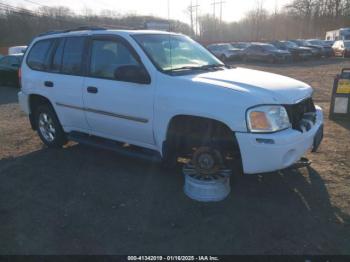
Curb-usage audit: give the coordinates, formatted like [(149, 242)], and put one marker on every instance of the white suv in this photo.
[(162, 96)]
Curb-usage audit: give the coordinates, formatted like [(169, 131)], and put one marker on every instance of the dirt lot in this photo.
[(82, 200)]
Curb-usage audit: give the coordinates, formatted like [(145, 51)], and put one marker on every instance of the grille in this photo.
[(302, 114)]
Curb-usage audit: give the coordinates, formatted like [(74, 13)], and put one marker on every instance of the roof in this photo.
[(99, 30)]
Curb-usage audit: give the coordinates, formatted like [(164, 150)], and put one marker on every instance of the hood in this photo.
[(263, 87)]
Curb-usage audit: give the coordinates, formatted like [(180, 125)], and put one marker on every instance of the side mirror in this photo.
[(133, 74)]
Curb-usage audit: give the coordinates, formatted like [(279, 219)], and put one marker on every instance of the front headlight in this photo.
[(269, 118)]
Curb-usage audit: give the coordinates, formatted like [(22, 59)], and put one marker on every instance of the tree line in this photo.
[(299, 19), (18, 26)]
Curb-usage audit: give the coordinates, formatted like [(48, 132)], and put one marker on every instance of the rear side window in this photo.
[(38, 57), (72, 55)]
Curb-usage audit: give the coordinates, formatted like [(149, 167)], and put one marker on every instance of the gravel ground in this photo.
[(81, 200)]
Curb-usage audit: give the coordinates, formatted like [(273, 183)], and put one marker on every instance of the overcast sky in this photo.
[(233, 10)]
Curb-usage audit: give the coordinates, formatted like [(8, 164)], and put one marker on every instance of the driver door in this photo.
[(114, 109)]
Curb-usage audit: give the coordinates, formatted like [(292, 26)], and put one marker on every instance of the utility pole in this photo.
[(194, 9), (214, 3)]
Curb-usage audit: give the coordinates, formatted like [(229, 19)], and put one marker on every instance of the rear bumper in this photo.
[(23, 100), (287, 148)]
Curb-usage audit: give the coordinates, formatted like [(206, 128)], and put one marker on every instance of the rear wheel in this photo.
[(48, 127)]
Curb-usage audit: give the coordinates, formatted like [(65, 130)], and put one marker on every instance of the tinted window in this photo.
[(107, 56), (38, 57), (57, 58), (72, 55), (5, 61), (14, 60)]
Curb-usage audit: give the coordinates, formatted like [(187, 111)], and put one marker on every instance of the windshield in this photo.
[(291, 44), (269, 47), (173, 52)]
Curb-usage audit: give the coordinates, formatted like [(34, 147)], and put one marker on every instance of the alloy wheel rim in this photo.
[(46, 127)]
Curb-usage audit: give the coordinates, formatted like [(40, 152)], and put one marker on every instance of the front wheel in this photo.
[(48, 127)]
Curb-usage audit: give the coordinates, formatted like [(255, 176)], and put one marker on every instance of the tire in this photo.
[(48, 127)]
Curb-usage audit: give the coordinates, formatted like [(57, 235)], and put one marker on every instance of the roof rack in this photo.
[(81, 28)]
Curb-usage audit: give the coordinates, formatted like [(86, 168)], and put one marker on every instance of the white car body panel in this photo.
[(223, 95)]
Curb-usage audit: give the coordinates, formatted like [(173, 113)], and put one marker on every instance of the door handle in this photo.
[(48, 84), (92, 90)]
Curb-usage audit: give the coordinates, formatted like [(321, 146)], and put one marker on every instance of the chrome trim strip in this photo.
[(95, 111)]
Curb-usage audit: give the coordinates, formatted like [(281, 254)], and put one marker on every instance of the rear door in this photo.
[(66, 80), (116, 109)]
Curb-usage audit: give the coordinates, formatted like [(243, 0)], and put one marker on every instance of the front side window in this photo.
[(38, 57), (107, 56), (73, 55), (173, 52)]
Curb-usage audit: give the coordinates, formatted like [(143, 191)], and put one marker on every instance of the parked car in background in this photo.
[(17, 50), (225, 52), (9, 66), (338, 34), (327, 48), (341, 48), (317, 51), (240, 45), (298, 53), (265, 53)]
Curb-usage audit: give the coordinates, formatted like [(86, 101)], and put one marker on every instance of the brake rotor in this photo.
[(207, 161)]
